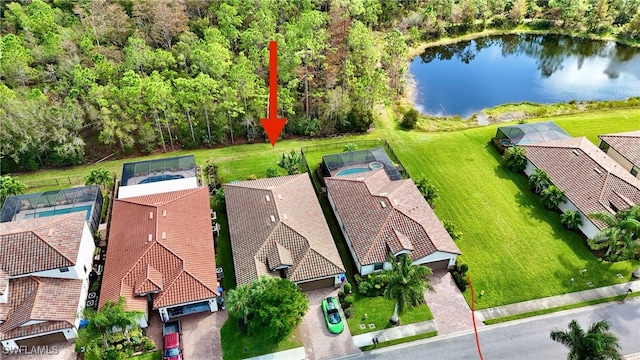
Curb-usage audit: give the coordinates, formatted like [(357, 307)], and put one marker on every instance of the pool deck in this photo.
[(185, 174), (24, 213)]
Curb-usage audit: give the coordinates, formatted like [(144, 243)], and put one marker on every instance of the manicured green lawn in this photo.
[(156, 355), (515, 249), (236, 345), (378, 311)]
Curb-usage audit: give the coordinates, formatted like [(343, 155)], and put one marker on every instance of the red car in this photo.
[(172, 349)]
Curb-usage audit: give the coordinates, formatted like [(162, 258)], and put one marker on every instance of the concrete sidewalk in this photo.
[(556, 301), (396, 332), (291, 354)]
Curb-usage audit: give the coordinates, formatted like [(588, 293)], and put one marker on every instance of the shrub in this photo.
[(460, 281), (252, 177), (348, 313), (148, 345), (95, 287), (350, 147), (463, 268), (348, 301), (515, 159), (410, 119), (272, 172), (348, 288), (459, 275), (571, 219), (370, 286), (451, 229), (340, 295)]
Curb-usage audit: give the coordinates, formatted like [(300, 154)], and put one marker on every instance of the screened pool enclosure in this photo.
[(352, 162), (87, 199), (150, 171)]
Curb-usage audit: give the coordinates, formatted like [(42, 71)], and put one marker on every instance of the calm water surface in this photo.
[(469, 76)]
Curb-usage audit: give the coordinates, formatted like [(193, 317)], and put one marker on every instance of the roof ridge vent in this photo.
[(267, 197), (576, 152), (150, 238), (383, 204), (384, 193), (273, 218), (360, 178), (150, 215)]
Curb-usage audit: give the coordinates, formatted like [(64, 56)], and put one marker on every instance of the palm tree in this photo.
[(10, 186), (406, 284), (621, 233), (539, 180), (239, 302), (101, 177), (598, 343), (428, 190), (515, 159), (552, 197), (571, 219)]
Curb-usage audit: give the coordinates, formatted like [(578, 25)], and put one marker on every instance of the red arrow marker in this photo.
[(273, 125)]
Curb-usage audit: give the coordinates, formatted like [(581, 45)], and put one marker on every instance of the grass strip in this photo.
[(560, 308), (400, 341)]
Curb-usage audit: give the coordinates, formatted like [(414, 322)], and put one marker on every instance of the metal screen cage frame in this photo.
[(52, 200), (334, 162), (159, 167), (524, 134)]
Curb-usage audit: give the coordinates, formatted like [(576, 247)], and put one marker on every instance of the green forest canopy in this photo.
[(83, 79)]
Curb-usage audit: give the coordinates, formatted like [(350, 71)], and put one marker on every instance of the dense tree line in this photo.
[(81, 79)]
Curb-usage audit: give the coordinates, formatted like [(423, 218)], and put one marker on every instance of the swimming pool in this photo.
[(39, 214), (156, 178), (352, 171)]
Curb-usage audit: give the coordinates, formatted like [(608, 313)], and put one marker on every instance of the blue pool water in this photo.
[(39, 214), (156, 178), (352, 171)]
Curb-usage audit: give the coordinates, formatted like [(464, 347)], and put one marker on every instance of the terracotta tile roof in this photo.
[(382, 216), (626, 144), (4, 281), (267, 216), (161, 241), (590, 179), (150, 281), (53, 301), (40, 244)]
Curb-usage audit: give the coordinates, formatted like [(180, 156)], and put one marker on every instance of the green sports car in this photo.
[(332, 316)]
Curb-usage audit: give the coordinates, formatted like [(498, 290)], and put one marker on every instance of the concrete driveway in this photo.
[(200, 334), (318, 342)]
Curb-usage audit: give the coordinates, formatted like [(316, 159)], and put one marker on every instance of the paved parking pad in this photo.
[(318, 342), (449, 308), (201, 335)]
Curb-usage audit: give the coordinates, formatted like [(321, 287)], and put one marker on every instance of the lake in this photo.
[(468, 76)]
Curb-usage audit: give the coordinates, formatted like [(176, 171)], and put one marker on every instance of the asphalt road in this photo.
[(521, 339)]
